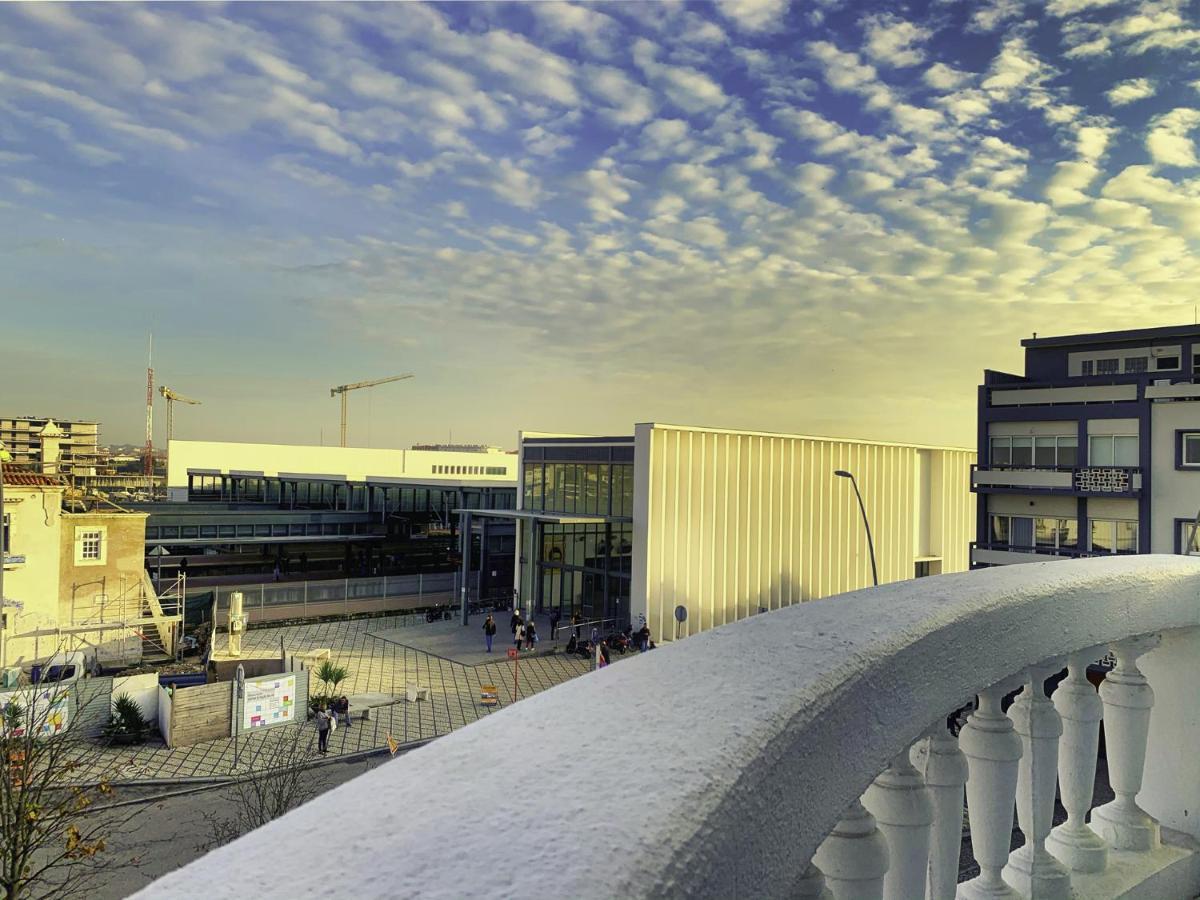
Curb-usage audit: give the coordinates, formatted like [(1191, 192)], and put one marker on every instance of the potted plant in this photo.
[(127, 725), (330, 676)]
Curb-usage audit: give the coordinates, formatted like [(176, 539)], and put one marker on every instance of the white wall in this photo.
[(144, 691), (1173, 494), (354, 463), (36, 523), (728, 522)]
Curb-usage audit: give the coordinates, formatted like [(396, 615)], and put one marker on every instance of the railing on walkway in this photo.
[(327, 593), (804, 753)]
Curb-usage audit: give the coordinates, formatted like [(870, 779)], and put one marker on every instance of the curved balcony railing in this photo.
[(801, 753)]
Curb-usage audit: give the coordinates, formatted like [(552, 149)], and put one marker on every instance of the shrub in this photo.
[(127, 722)]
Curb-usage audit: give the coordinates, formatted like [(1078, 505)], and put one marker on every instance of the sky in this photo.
[(818, 217)]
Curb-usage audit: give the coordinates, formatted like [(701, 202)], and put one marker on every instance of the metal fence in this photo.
[(344, 591)]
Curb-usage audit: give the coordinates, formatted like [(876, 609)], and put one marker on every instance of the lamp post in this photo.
[(842, 473)]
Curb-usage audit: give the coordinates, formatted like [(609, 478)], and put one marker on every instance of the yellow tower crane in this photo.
[(344, 389), (172, 397)]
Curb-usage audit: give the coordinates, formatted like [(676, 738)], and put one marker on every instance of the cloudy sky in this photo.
[(815, 217)]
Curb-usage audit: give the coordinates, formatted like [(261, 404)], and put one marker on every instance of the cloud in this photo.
[(1063, 8), (686, 87), (754, 16), (607, 190), (627, 101), (1127, 92), (942, 77), (1065, 187), (892, 41), (1168, 143), (989, 15), (514, 185)]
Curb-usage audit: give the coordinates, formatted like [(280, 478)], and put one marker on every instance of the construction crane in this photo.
[(172, 397), (344, 389)]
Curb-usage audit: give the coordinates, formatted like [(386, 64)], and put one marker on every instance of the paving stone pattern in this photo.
[(376, 666)]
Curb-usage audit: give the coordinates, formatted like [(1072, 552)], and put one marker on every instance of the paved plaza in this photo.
[(383, 656)]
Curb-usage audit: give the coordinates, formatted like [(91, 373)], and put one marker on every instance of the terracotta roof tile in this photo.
[(21, 476)]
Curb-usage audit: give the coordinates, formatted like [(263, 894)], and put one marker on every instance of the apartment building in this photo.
[(1094, 450), (52, 446)]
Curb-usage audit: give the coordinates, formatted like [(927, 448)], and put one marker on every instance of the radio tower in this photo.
[(149, 460)]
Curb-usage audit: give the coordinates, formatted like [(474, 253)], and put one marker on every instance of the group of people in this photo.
[(523, 632), (328, 716)]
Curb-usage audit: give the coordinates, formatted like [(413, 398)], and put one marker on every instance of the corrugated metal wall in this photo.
[(730, 523)]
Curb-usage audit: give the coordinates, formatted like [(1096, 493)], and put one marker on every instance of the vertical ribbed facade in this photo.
[(730, 523)]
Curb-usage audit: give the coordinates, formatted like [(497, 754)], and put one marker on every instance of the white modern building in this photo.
[(726, 524), (229, 471)]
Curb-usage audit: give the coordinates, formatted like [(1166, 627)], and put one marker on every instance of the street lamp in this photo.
[(842, 473)]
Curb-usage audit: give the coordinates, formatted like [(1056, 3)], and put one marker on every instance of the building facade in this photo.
[(52, 446), (725, 524), (74, 577), (1094, 450)]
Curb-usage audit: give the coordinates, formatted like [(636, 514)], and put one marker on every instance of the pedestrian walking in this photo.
[(531, 635), (515, 620), (276, 570), (554, 619), (602, 658), (323, 725), (489, 631), (518, 635), (343, 710), (575, 624)]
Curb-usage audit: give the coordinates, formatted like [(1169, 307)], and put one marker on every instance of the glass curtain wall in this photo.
[(585, 568)]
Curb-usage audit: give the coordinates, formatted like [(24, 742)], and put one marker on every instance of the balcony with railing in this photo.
[(1079, 481), (804, 753)]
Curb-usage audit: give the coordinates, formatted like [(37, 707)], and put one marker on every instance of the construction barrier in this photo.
[(488, 695)]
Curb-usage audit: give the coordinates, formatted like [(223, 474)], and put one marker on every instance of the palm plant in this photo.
[(127, 724), (330, 676)]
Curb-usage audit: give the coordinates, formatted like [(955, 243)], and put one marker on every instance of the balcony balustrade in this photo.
[(1120, 481), (803, 753)]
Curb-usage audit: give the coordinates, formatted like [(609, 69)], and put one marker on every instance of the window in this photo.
[(922, 570), (1191, 449), (1108, 366), (1164, 363), (5, 545), (1001, 451), (1014, 531), (1068, 451), (1022, 451), (90, 546), (1135, 364), (1045, 452), (1087, 367), (1056, 533), (1114, 536), (1189, 539), (1113, 450)]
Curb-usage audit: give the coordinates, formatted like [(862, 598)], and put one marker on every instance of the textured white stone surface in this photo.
[(709, 768)]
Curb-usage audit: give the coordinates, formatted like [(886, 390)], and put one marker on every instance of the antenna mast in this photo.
[(148, 466)]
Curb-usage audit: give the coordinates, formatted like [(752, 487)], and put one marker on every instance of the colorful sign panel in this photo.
[(269, 701), (46, 710)]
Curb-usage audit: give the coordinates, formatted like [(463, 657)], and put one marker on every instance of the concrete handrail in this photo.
[(735, 751)]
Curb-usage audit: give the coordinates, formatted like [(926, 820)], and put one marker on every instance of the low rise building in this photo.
[(74, 577), (723, 524)]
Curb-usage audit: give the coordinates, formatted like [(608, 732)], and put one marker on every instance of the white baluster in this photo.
[(811, 885), (903, 808), (1031, 870), (854, 857), (993, 750), (945, 770), (1128, 699), (1072, 843)]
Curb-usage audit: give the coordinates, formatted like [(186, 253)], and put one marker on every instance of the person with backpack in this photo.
[(489, 631), (531, 635)]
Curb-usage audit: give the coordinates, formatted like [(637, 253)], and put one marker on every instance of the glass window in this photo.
[(1087, 367), (1022, 451), (1189, 538), (1163, 363), (1100, 450), (89, 544), (1001, 451), (1000, 532), (1126, 537), (1068, 533), (4, 539), (1108, 366), (1191, 449), (1045, 532), (1125, 450), (627, 491), (1068, 451), (1102, 536), (1136, 364), (1045, 452)]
